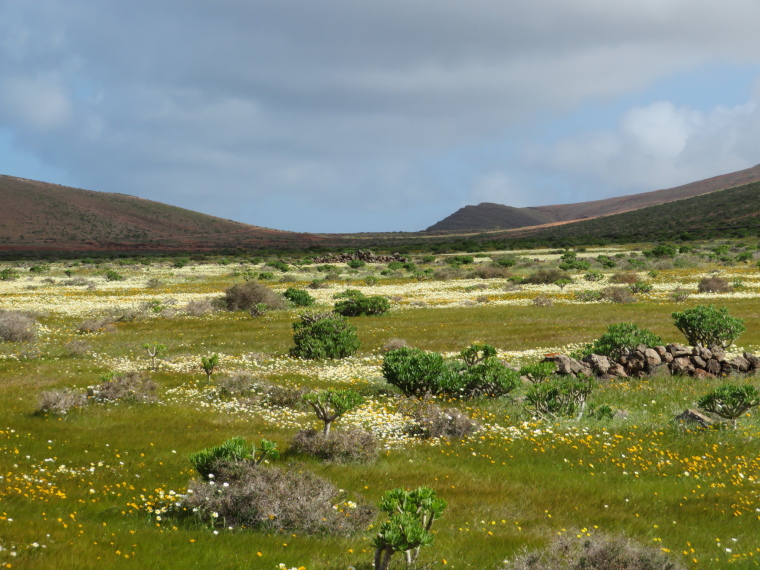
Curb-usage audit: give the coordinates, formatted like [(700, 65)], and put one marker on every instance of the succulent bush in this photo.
[(730, 402), (209, 364), (560, 396), (411, 515), (330, 405), (620, 339), (299, 297), (354, 303), (234, 450), (704, 325), (324, 335)]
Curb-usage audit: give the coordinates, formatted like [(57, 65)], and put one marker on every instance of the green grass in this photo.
[(507, 488)]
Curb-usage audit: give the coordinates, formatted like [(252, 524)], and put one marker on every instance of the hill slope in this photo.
[(488, 216), (731, 212), (38, 215)]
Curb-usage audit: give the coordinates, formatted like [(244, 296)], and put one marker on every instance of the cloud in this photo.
[(659, 146), (336, 115)]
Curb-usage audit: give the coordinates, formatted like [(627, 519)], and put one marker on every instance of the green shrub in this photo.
[(538, 371), (354, 303), (414, 371), (356, 264), (266, 275), (299, 297), (428, 259), (8, 274), (730, 402), (411, 516), (588, 296), (622, 338), (233, 450), (323, 335), (662, 251), (606, 261), (112, 275), (41, 268), (505, 261), (560, 396), (330, 405), (704, 325), (594, 276), (460, 260), (370, 280), (278, 264), (395, 265), (575, 265), (640, 287)]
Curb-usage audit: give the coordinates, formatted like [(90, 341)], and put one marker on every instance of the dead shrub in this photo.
[(543, 301), (16, 326), (275, 499), (448, 273), (97, 325), (199, 307), (342, 446), (714, 285), (249, 295), (617, 295), (546, 276), (491, 272), (239, 383), (624, 278), (394, 344), (154, 283), (77, 282), (433, 421), (281, 396), (130, 388), (574, 551), (78, 347), (60, 402), (679, 294)]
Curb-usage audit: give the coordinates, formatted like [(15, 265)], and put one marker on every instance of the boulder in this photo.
[(704, 352), (739, 363), (698, 362), (718, 353), (681, 365), (678, 350), (652, 358), (702, 374), (694, 418), (617, 370), (713, 367), (754, 361), (599, 364)]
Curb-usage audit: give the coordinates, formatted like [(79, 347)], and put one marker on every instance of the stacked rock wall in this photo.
[(697, 361), (365, 256)]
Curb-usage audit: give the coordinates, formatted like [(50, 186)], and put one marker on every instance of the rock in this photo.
[(668, 358), (697, 361), (564, 363), (599, 364), (652, 357), (694, 418), (702, 374), (739, 363), (704, 353), (641, 348), (754, 361), (713, 367), (681, 365), (718, 353), (617, 370), (661, 351), (678, 350)]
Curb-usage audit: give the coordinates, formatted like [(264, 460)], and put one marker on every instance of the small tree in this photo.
[(562, 396), (154, 351), (209, 363), (411, 515), (730, 402), (332, 404), (704, 325)]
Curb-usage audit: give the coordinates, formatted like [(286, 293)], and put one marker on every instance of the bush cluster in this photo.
[(324, 335), (419, 373), (353, 303)]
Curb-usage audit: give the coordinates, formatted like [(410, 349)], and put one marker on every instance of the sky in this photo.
[(346, 116)]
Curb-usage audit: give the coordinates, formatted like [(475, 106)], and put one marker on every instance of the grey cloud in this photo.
[(302, 102)]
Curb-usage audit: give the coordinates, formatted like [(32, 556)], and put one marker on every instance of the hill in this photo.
[(42, 216), (726, 213), (489, 216)]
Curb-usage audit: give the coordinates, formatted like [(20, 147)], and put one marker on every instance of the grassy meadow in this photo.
[(92, 487)]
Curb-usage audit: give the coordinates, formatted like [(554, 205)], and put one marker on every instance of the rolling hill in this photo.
[(489, 216), (42, 216)]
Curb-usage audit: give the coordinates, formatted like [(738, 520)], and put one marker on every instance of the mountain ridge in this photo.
[(490, 216)]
